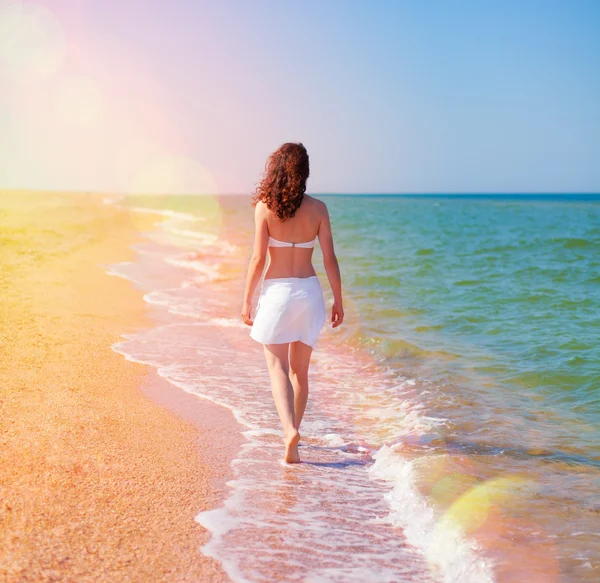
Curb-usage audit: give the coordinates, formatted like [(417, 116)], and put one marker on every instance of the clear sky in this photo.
[(387, 96)]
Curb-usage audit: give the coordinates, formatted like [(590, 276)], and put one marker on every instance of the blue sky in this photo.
[(387, 96)]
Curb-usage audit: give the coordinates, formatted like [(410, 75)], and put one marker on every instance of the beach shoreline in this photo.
[(88, 490)]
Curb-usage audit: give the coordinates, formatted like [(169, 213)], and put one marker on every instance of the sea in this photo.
[(452, 432)]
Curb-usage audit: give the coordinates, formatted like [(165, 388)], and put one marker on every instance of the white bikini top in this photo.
[(305, 245)]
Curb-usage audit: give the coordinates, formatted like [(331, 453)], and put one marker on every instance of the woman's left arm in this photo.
[(257, 261)]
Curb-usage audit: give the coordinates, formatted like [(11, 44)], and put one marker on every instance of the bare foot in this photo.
[(291, 448)]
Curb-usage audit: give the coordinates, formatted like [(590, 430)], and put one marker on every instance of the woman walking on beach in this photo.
[(291, 309)]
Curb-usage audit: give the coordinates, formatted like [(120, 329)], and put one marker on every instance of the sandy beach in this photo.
[(103, 465)]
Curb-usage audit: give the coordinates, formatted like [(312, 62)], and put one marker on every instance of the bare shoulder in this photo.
[(318, 206), (261, 208)]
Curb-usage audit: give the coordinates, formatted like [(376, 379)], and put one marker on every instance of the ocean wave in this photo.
[(574, 242), (164, 212), (202, 236), (210, 272), (448, 552)]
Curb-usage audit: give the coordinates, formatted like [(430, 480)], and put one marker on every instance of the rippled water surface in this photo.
[(453, 428)]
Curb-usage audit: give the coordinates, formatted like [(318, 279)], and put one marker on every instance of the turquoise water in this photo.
[(471, 340), (508, 290)]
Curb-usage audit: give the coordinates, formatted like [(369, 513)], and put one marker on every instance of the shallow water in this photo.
[(452, 431)]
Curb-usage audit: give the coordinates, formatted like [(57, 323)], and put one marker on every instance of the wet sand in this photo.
[(103, 465)]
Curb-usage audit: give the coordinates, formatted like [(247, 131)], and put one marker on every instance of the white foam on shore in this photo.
[(227, 323), (209, 272), (164, 213), (447, 551), (113, 199)]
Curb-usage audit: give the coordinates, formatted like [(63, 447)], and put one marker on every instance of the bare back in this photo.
[(304, 226)]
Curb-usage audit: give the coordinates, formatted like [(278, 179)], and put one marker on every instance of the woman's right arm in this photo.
[(332, 267), (257, 261)]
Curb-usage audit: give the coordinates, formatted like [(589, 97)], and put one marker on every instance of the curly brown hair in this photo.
[(283, 184)]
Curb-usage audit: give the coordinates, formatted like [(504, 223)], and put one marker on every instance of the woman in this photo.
[(291, 309)]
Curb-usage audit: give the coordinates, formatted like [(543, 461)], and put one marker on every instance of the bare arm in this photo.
[(332, 268), (257, 261)]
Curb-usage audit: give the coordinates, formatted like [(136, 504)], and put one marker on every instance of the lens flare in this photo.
[(470, 512), (451, 488), (132, 155), (78, 100), (32, 42), (164, 173)]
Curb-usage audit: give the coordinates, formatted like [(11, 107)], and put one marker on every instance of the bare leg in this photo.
[(299, 362), (283, 395)]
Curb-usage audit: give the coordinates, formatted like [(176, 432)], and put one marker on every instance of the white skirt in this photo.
[(289, 309)]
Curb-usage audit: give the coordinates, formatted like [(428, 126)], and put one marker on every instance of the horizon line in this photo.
[(406, 194)]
